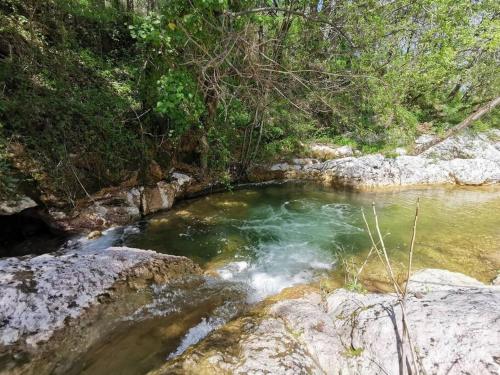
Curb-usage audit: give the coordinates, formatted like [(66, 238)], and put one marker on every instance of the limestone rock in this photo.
[(110, 207), (464, 160), (120, 206), (325, 152), (181, 178), (94, 234), (465, 146), (159, 197), (15, 206), (38, 294), (453, 321)]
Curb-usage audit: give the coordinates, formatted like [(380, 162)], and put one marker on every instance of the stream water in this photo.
[(255, 242)]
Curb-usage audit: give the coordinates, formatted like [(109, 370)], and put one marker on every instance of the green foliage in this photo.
[(95, 91), (351, 352), (8, 181), (355, 286), (178, 98)]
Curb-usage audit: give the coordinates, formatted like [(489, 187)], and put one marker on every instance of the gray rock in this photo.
[(121, 206), (465, 146), (305, 161), (453, 320), (38, 294), (400, 151), (424, 139), (465, 160), (325, 152), (15, 206)]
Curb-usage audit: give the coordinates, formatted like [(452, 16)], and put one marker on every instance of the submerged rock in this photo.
[(453, 320), (464, 160)]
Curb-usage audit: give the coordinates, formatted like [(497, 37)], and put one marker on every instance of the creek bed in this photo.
[(255, 242)]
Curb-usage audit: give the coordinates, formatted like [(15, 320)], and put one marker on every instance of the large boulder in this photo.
[(466, 146), (453, 320), (38, 294), (163, 195), (53, 307)]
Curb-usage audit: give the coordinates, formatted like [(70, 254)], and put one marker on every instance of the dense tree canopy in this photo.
[(94, 90)]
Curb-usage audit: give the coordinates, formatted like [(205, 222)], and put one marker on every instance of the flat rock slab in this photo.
[(38, 294), (454, 323)]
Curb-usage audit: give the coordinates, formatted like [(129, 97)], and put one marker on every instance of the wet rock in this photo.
[(94, 234), (453, 324), (163, 195), (16, 205), (62, 286)]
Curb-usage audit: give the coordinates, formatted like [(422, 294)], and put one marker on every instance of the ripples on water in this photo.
[(262, 240)]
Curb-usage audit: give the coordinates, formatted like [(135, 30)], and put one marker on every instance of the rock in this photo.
[(400, 151), (453, 324), (17, 205), (425, 139), (121, 206), (496, 280), (110, 207), (94, 234), (432, 280), (280, 167), (464, 146), (463, 160), (306, 161), (326, 152), (38, 295), (160, 197), (181, 178), (155, 171)]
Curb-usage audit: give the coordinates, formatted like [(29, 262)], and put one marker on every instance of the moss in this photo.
[(351, 352)]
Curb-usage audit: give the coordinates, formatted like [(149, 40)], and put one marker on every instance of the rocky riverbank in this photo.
[(461, 160), (470, 159), (453, 319), (57, 304)]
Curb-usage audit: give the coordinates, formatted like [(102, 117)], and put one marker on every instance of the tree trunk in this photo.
[(130, 5), (457, 128), (211, 102)]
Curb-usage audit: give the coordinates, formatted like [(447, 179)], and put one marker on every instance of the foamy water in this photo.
[(262, 241)]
